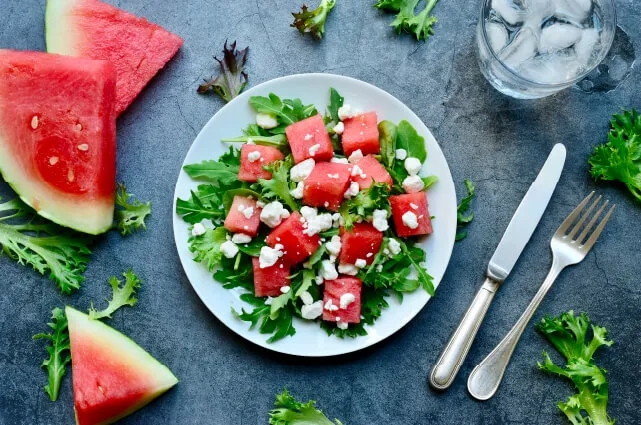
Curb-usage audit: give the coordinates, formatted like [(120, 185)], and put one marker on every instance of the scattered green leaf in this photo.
[(121, 295), (59, 355), (313, 21), (207, 247), (462, 220), (233, 78), (129, 216), (406, 20), (288, 411)]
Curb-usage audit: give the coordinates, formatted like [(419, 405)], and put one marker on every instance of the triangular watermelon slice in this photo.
[(90, 28), (112, 376), (58, 136)]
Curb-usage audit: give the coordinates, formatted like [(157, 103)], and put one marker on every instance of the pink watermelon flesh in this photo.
[(112, 375), (238, 220), (363, 241), (90, 28), (326, 185), (58, 136), (251, 171), (334, 290), (269, 280), (361, 132), (297, 245), (309, 134), (416, 203), (373, 172)]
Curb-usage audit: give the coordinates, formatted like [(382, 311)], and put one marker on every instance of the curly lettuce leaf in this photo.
[(233, 78), (58, 350), (120, 297), (463, 219), (278, 187), (313, 21), (362, 206), (207, 247), (130, 216), (288, 411), (407, 20)]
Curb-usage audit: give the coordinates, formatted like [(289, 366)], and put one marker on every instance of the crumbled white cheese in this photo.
[(306, 297), (369, 254), (302, 170), (346, 299), (360, 263), (356, 156), (241, 238), (328, 270), (348, 269), (312, 311), (339, 128), (273, 214), (394, 246), (298, 192), (379, 268), (410, 220), (339, 160), (318, 223), (309, 137), (401, 154), (308, 212), (285, 289), (413, 206), (334, 246), (241, 208), (248, 212), (326, 204), (269, 256), (329, 306), (253, 156), (352, 190), (356, 171), (345, 112), (269, 301), (198, 230), (314, 148), (319, 280), (413, 184), (337, 218), (380, 220), (229, 249), (412, 165), (266, 121), (342, 325)]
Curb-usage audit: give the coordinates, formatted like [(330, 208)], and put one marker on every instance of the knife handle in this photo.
[(459, 344)]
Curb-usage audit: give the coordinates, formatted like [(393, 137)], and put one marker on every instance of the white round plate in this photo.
[(310, 340)]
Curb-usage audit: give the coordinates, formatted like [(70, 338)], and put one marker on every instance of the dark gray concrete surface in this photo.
[(497, 142)]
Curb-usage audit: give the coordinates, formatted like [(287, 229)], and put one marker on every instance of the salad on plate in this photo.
[(313, 216)]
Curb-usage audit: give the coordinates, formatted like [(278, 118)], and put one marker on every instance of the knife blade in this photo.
[(516, 236)]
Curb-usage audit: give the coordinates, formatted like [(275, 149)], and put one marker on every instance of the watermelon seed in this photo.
[(71, 176), (83, 147), (34, 122), (79, 127), (53, 160)]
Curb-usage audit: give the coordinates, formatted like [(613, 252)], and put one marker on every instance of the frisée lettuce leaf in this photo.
[(121, 296), (313, 21), (288, 411), (58, 350)]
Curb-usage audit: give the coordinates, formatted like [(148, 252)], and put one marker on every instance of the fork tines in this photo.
[(582, 214)]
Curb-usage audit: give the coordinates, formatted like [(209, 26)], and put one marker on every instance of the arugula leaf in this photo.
[(462, 219), (233, 78), (278, 141), (280, 326), (569, 335), (387, 135), (288, 411), (47, 247), (59, 349), (130, 216), (416, 256), (408, 138), (313, 21), (278, 187), (361, 206), (233, 274), (121, 295), (407, 21), (207, 247), (287, 111), (205, 203), (221, 172), (620, 158), (335, 103)]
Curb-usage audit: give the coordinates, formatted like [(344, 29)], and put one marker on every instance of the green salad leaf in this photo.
[(130, 216), (223, 172), (387, 131), (278, 141), (361, 206), (463, 219), (336, 101), (569, 335), (620, 158), (233, 78), (121, 295), (45, 246), (288, 411), (406, 20), (286, 111), (58, 350), (236, 273), (278, 187), (313, 21), (205, 203), (279, 324), (207, 247)]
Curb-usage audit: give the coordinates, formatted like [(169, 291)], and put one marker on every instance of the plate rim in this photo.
[(274, 346)]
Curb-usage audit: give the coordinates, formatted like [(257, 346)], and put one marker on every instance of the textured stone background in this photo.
[(497, 142)]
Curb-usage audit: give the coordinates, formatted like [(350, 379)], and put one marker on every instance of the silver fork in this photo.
[(567, 250)]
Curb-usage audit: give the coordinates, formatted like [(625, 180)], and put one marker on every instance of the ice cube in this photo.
[(585, 47), (575, 11), (496, 35), (558, 37), (510, 12), (551, 68), (523, 47)]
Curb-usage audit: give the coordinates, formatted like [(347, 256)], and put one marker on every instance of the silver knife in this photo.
[(516, 236)]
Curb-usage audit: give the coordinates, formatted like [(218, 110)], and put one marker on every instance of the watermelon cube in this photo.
[(373, 172), (297, 245), (243, 216), (326, 185), (362, 242), (361, 132), (415, 203), (268, 281), (252, 160), (309, 139), (334, 290)]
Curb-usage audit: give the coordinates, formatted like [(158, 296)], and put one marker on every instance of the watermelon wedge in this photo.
[(58, 136), (90, 28), (112, 376)]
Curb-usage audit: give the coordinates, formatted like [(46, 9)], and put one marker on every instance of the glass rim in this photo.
[(578, 78)]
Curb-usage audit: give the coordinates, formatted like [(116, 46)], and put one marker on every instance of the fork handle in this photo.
[(456, 350), (485, 379)]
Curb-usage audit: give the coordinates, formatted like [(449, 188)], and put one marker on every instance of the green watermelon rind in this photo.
[(58, 32), (119, 343)]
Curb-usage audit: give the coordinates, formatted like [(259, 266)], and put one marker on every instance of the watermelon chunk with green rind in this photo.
[(90, 28), (112, 375), (58, 136)]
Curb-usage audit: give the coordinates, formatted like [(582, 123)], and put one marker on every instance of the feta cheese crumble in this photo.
[(306, 297), (339, 160), (360, 263), (356, 171), (253, 156), (410, 220), (348, 269), (314, 148), (248, 212), (229, 249), (401, 154), (380, 220), (328, 270), (241, 238), (198, 230), (345, 112), (394, 247), (352, 190), (338, 220), (302, 170), (273, 214), (308, 213), (334, 246), (318, 223), (341, 325), (329, 306), (379, 268), (298, 192), (412, 165), (269, 256), (356, 156), (269, 301), (339, 128), (413, 184), (285, 289), (413, 206), (312, 311), (266, 121), (309, 137), (346, 299)]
